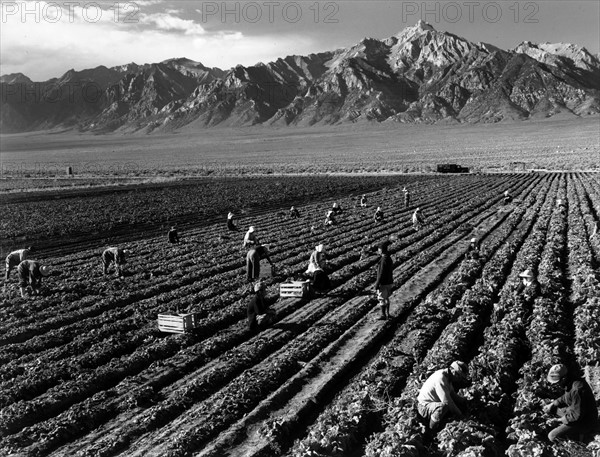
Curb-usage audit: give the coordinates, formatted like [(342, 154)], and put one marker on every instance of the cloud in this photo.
[(171, 23), (44, 46)]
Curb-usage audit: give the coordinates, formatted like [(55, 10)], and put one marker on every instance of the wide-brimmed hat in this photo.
[(320, 247), (251, 229), (45, 270), (459, 369), (556, 373), (259, 286), (379, 208), (527, 274), (473, 240)]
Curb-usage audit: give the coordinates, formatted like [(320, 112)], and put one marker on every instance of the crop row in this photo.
[(404, 433), (351, 416)]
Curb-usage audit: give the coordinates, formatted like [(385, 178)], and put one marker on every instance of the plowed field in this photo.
[(84, 370)]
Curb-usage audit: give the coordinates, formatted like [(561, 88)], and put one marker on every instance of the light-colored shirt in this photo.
[(438, 389), (16, 257), (250, 238)]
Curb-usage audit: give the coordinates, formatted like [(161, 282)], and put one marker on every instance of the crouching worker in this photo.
[(316, 264), (31, 273), (438, 398), (258, 309), (116, 256), (473, 250), (576, 408)]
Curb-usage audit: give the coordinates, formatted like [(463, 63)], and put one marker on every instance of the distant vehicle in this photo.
[(451, 168)]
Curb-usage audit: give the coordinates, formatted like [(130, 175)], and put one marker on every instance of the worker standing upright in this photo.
[(250, 239), (31, 273), (406, 197), (385, 280), (378, 216)]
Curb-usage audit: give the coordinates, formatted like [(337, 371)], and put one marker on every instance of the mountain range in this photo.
[(419, 75)]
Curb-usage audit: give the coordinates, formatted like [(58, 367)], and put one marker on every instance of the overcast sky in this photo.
[(45, 39)]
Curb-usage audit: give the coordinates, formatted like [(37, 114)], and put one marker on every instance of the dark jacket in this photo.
[(173, 236), (385, 271), (256, 307), (579, 404)]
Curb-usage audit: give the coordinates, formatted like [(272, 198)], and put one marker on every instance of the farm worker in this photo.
[(507, 197), (437, 398), (113, 255), (230, 224), (250, 239), (316, 265), (576, 408), (336, 208), (363, 201), (173, 235), (378, 216), (596, 229), (417, 219), (294, 213), (473, 249), (330, 218), (256, 306), (31, 273), (15, 258), (406, 197), (253, 258), (529, 285), (385, 280)]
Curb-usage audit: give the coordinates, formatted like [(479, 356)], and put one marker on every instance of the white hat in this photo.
[(526, 274), (556, 373), (379, 208), (473, 240), (320, 247), (45, 270), (459, 369), (251, 229), (259, 286)]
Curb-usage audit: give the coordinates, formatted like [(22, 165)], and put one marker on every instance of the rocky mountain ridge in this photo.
[(419, 75)]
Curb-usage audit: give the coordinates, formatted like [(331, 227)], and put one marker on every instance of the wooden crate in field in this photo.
[(294, 289), (181, 323)]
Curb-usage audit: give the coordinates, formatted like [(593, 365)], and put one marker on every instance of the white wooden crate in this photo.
[(294, 289), (181, 323)]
